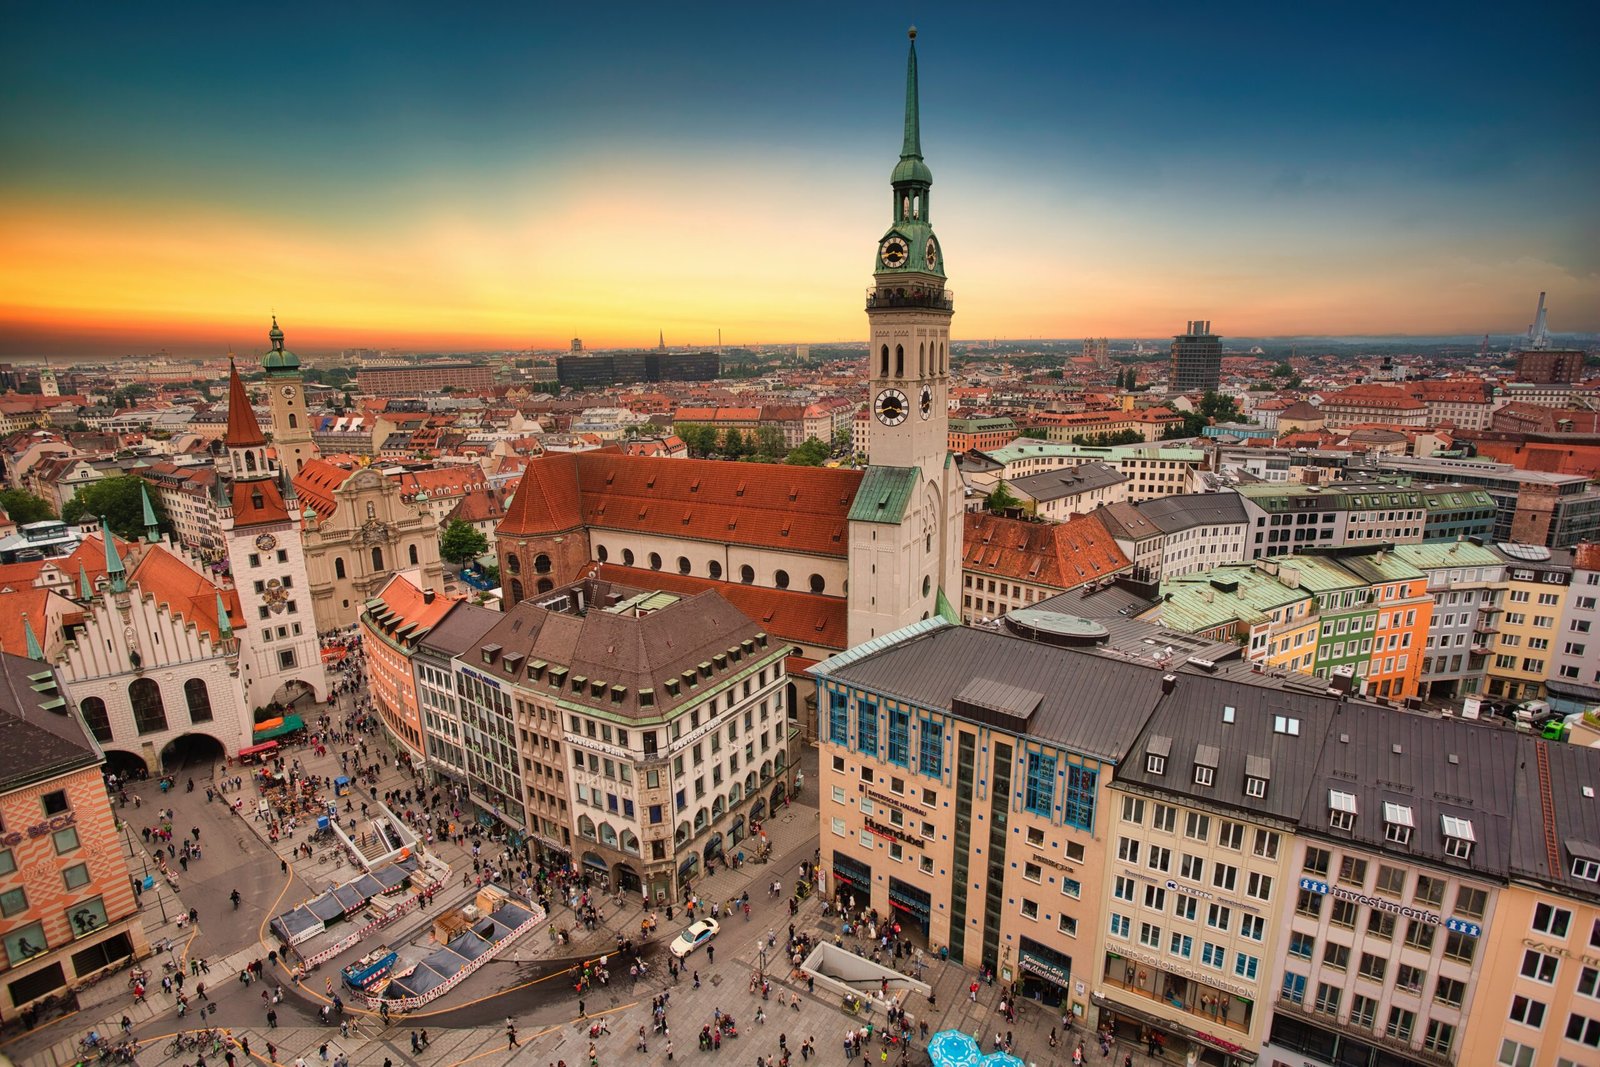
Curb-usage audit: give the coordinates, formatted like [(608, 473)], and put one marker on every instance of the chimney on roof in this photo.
[(427, 596), (1169, 682)]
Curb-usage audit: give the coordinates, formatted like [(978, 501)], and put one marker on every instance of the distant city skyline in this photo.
[(415, 180)]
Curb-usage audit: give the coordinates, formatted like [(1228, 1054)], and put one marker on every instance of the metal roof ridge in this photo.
[(859, 652)]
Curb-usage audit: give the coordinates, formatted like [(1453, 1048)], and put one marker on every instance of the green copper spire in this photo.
[(224, 624), (34, 651), (151, 532), (114, 568), (911, 168), (85, 587), (913, 141)]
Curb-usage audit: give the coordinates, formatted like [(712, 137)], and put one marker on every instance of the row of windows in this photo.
[(149, 708), (747, 573)]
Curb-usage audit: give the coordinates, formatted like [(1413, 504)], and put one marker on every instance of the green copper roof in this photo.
[(911, 168), (114, 568), (224, 623), (1436, 554), (279, 359), (149, 513), (85, 589), (946, 610), (34, 651), (884, 494)]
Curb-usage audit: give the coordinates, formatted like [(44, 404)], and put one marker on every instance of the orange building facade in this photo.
[(67, 906)]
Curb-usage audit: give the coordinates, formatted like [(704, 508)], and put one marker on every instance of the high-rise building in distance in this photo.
[(1196, 359)]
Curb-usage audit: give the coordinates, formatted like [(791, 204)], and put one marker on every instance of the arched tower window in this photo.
[(922, 360), (541, 564), (249, 461), (905, 208), (883, 371), (899, 361), (545, 585), (294, 421), (338, 566), (149, 713), (916, 207), (516, 590), (94, 714), (198, 699), (411, 552), (514, 564), (377, 560)]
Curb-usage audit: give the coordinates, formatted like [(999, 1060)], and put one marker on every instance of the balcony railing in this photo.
[(910, 296)]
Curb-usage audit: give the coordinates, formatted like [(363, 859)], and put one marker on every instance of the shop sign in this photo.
[(1221, 1042), (1190, 890), (1561, 950), (1048, 862), (1043, 968), (49, 826), (1432, 918), (884, 830), (1203, 977), (881, 799)]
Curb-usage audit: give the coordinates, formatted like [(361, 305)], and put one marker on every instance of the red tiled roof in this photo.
[(243, 429), (1062, 555), (13, 606), (258, 503), (547, 499), (410, 603), (186, 592), (315, 485), (775, 505), (1586, 557), (805, 618)]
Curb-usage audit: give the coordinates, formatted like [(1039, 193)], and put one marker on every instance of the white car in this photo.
[(692, 938)]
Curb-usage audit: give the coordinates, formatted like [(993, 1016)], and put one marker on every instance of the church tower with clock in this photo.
[(291, 429), (906, 522), (280, 656)]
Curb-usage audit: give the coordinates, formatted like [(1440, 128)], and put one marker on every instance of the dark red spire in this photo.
[(243, 429)]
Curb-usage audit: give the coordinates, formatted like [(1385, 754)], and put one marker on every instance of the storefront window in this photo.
[(87, 917), (22, 945)]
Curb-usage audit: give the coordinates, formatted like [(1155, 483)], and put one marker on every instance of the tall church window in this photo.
[(884, 358), (516, 590), (411, 551), (198, 699), (249, 461), (377, 560), (514, 564), (916, 207), (294, 422), (149, 713), (372, 510), (899, 361), (922, 360), (338, 566), (541, 564), (545, 585), (94, 714)]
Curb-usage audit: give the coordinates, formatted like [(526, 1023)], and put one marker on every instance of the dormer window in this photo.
[(1257, 773), (1341, 810), (1255, 787), (1156, 755), (1588, 870), (1205, 765), (1397, 823), (1458, 836)]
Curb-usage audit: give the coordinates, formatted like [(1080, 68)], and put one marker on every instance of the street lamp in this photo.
[(761, 966)]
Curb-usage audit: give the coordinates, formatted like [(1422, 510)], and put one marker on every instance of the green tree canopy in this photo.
[(734, 445), (810, 453), (768, 441), (462, 543), (24, 507), (119, 502), (697, 437), (1036, 433), (1001, 499)]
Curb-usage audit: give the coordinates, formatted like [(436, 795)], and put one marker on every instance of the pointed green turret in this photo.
[(224, 624), (115, 571), (34, 651), (85, 587), (911, 168), (152, 532)]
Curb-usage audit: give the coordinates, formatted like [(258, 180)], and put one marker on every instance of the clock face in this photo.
[(266, 542), (288, 392), (925, 401), (892, 407), (932, 254), (894, 252)]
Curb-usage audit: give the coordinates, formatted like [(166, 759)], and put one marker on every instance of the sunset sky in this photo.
[(444, 176)]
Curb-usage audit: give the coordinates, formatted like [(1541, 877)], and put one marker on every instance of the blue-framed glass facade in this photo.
[(930, 754), (1039, 793), (866, 726), (1078, 807), (900, 736), (838, 718)]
